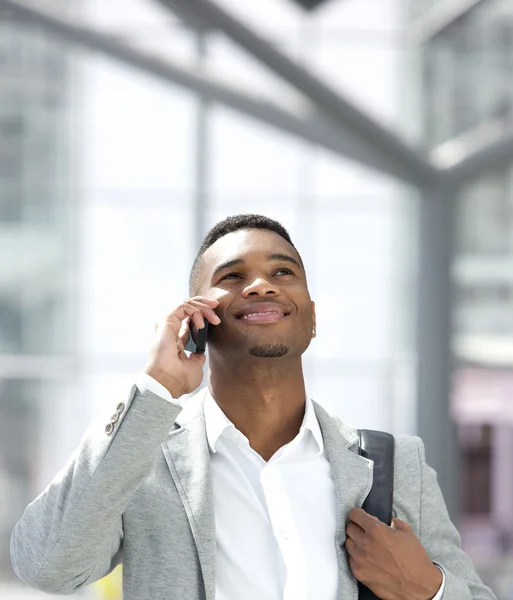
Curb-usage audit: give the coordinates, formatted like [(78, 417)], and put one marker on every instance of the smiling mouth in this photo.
[(262, 317)]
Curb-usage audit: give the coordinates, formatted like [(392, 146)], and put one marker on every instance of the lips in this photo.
[(268, 312), (268, 317)]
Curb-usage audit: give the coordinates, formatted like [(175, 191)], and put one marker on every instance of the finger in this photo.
[(351, 547), (199, 312), (204, 300), (185, 332), (197, 319), (183, 311), (197, 358), (175, 319), (188, 308), (362, 518), (355, 532), (207, 312), (184, 328), (351, 564)]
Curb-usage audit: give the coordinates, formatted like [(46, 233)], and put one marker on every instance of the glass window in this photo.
[(476, 48)]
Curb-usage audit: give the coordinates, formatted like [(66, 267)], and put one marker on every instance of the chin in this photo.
[(269, 350)]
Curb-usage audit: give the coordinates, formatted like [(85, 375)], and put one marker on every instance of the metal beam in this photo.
[(489, 149), (434, 337), (402, 159), (201, 154), (304, 124), (439, 17)]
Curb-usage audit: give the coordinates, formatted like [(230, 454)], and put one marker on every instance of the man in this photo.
[(252, 491)]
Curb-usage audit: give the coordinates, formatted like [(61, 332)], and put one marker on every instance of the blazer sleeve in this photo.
[(442, 541), (72, 533)]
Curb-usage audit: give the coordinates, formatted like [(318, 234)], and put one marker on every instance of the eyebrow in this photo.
[(285, 258), (239, 261)]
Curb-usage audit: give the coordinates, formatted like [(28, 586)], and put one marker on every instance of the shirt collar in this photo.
[(310, 422), (217, 423)]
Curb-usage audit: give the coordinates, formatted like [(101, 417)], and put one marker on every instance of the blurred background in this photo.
[(379, 132)]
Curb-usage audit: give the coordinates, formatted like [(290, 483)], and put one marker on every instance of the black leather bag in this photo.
[(379, 447)]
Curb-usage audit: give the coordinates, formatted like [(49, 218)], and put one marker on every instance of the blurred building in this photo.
[(464, 54), (38, 250)]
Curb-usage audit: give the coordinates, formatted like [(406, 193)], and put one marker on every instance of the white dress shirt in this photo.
[(275, 521)]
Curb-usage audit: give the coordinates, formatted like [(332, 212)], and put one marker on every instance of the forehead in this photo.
[(246, 244)]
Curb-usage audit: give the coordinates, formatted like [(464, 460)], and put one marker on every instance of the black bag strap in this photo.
[(379, 447)]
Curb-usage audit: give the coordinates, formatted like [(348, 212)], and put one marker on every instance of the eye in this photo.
[(230, 276), (286, 271)]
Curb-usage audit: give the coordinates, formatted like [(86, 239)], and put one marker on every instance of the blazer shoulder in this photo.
[(409, 444), (409, 457)]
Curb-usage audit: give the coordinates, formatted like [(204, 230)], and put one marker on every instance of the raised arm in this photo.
[(72, 533)]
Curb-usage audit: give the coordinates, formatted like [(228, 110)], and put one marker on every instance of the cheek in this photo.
[(223, 297), (308, 321), (304, 305), (218, 294), (305, 317)]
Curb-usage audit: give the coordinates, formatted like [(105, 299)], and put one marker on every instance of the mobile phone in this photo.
[(198, 339)]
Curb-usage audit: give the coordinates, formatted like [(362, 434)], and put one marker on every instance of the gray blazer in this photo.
[(142, 495)]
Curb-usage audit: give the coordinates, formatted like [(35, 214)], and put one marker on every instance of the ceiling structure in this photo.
[(324, 117)]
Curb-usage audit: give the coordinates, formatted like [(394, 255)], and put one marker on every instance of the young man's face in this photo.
[(264, 303)]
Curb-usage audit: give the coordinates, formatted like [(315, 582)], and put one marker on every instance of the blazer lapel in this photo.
[(188, 458), (352, 475)]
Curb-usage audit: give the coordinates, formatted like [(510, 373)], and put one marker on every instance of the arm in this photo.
[(442, 542), (72, 534)]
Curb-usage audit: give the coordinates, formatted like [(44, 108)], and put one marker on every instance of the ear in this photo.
[(314, 321)]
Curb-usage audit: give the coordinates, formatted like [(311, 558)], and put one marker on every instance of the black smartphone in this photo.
[(198, 339)]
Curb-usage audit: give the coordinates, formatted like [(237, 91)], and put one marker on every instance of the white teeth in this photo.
[(258, 314)]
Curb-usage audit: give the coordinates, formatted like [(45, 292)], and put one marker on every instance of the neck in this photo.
[(264, 398)]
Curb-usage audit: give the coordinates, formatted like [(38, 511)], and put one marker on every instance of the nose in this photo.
[(260, 286)]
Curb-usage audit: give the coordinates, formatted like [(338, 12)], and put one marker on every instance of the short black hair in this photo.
[(229, 225)]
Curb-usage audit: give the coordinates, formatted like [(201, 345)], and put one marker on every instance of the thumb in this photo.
[(199, 359)]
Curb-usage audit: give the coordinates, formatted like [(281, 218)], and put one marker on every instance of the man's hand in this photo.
[(168, 363), (390, 561)]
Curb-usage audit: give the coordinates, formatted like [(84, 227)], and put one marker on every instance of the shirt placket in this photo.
[(286, 533)]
